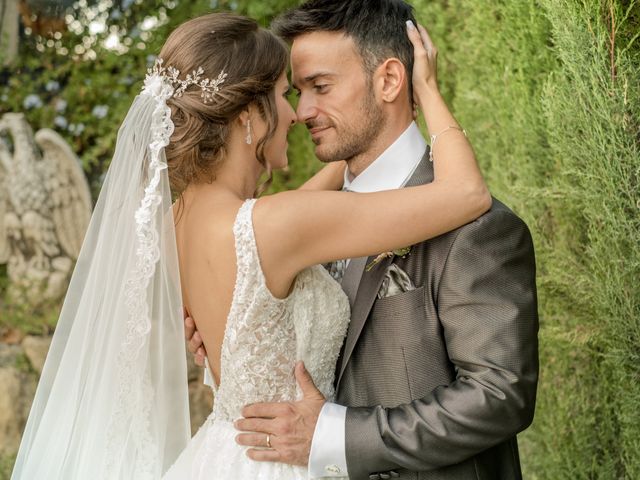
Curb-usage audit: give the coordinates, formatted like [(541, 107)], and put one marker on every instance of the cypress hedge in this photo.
[(549, 91)]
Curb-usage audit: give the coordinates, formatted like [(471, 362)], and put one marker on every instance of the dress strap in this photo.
[(245, 240), (247, 261), (249, 272)]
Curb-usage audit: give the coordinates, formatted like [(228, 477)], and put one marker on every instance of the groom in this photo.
[(439, 369)]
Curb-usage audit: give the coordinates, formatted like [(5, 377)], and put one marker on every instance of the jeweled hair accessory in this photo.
[(159, 74)]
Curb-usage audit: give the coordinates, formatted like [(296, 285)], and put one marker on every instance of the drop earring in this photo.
[(249, 140)]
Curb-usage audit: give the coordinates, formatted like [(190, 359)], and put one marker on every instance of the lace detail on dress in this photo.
[(321, 313), (258, 350), (265, 336)]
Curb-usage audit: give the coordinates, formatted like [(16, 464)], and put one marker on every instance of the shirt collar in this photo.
[(394, 167)]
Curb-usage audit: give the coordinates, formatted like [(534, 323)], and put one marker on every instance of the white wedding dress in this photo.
[(264, 337)]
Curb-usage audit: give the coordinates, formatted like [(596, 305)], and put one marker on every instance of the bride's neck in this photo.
[(239, 172), (239, 175)]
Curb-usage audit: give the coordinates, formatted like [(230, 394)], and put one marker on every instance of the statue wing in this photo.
[(5, 158), (68, 188)]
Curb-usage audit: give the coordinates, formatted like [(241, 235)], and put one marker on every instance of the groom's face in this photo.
[(336, 101)]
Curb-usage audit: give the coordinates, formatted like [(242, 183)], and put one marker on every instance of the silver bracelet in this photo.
[(435, 137)]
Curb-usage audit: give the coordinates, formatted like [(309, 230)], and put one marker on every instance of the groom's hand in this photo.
[(194, 340), (289, 425)]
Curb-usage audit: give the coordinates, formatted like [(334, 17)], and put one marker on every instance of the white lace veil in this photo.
[(112, 401)]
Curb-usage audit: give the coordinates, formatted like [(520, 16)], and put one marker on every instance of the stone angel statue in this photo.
[(45, 207)]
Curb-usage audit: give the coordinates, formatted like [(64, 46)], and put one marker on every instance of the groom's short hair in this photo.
[(377, 27)]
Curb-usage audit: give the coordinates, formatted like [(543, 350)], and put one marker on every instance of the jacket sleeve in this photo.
[(486, 303)]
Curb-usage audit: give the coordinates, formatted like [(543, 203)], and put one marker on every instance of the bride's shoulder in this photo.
[(280, 210), (206, 220)]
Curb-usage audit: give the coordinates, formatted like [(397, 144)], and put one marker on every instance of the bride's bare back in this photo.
[(206, 252)]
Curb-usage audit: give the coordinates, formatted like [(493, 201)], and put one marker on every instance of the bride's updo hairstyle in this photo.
[(253, 59)]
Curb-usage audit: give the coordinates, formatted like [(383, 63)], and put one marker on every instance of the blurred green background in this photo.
[(549, 93)]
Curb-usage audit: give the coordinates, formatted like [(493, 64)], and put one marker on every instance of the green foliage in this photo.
[(84, 96), (592, 106), (549, 97), (264, 12), (6, 466), (40, 320), (22, 364), (29, 319)]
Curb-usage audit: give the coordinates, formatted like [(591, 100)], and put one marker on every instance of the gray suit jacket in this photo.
[(440, 379)]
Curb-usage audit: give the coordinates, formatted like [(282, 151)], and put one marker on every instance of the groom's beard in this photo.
[(354, 138)]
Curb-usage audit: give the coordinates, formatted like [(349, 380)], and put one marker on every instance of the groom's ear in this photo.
[(389, 80)]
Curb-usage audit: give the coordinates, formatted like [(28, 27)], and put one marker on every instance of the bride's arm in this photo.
[(301, 228), (331, 177)]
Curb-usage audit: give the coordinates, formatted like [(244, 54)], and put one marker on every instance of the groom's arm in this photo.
[(488, 309)]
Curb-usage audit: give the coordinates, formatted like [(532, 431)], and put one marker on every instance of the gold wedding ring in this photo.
[(269, 440)]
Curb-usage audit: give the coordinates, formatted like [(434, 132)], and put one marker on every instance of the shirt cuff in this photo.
[(328, 458)]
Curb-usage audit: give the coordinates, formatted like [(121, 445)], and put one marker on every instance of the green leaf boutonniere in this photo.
[(400, 252)]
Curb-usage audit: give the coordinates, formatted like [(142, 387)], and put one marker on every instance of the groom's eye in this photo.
[(321, 88)]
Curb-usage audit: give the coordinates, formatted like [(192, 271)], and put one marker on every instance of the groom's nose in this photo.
[(306, 109)]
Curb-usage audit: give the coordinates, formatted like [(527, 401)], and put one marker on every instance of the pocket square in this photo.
[(395, 281)]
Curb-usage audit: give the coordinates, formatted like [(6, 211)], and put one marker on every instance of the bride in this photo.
[(212, 118)]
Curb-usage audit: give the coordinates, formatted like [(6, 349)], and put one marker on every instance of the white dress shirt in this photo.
[(389, 171)]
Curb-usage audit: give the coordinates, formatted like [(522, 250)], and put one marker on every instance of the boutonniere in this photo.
[(400, 252)]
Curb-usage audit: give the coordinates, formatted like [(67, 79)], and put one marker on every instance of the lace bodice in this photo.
[(265, 336)]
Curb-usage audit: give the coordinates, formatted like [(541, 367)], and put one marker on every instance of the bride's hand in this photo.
[(425, 56)]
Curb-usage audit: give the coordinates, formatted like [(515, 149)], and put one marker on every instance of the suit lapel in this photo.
[(362, 296), (351, 279), (423, 172), (366, 295)]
